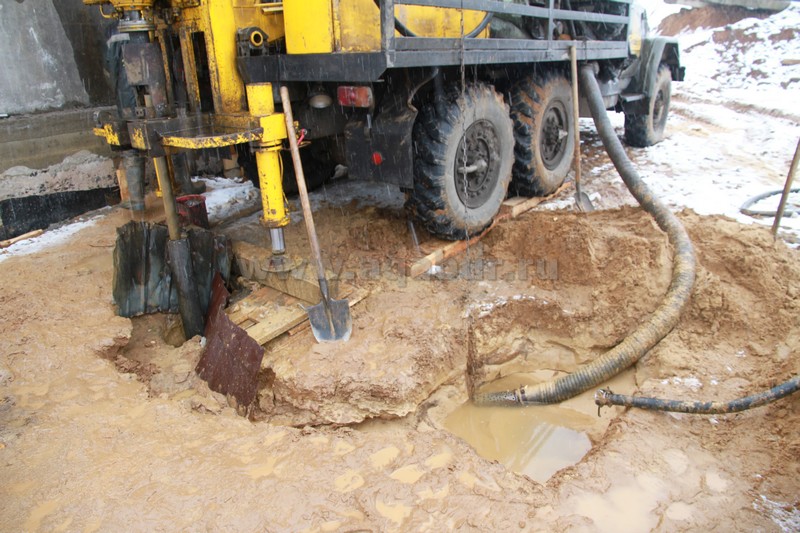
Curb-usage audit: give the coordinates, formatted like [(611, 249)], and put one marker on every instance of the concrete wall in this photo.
[(39, 70), (53, 60), (87, 32)]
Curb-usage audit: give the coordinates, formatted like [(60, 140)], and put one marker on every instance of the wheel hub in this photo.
[(554, 135), (476, 168)]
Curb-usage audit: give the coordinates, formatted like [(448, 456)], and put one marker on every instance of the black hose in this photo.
[(745, 209), (605, 397), (663, 319), (406, 32)]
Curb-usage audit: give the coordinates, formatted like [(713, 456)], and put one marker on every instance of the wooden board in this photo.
[(442, 254), (268, 313), (511, 208), (514, 207), (301, 282)]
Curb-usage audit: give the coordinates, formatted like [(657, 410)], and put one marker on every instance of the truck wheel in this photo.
[(646, 130), (541, 107), (462, 163)]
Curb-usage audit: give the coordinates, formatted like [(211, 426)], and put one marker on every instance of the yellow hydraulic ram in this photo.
[(268, 161)]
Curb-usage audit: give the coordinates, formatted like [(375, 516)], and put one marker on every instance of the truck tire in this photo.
[(646, 130), (541, 108), (451, 197)]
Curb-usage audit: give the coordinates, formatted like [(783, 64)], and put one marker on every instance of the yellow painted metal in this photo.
[(212, 141), (261, 102), (252, 13), (260, 99), (270, 177), (190, 74), (219, 27), (636, 30), (108, 133), (357, 23), (236, 121), (219, 20), (122, 4), (274, 127), (138, 140), (165, 185), (309, 26)]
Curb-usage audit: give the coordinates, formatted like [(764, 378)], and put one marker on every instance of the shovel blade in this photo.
[(583, 202), (331, 322)]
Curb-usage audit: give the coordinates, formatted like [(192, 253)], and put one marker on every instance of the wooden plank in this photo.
[(514, 207), (511, 208), (437, 257), (291, 318), (355, 297), (267, 313), (31, 234), (239, 311), (301, 282), (280, 321)]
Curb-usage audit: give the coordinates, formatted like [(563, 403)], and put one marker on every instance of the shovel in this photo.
[(582, 200), (330, 319)]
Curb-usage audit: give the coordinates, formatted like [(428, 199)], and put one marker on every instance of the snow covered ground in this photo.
[(227, 197), (731, 135), (753, 62)]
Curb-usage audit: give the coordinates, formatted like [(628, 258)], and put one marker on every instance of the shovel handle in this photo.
[(573, 60), (301, 182)]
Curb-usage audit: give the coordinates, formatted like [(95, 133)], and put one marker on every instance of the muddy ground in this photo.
[(105, 427), (99, 436)]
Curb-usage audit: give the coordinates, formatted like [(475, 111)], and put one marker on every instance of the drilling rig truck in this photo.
[(456, 102)]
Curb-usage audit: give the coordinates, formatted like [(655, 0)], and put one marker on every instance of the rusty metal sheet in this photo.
[(232, 359)]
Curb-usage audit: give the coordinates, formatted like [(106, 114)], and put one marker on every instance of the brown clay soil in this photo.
[(104, 426), (707, 17)]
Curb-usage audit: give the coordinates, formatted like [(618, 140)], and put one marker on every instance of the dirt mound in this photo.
[(605, 272), (707, 17), (613, 270), (391, 364)]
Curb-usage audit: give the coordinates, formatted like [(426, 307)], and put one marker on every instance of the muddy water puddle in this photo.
[(536, 441)]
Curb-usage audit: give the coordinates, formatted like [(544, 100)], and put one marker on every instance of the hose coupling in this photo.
[(602, 398)]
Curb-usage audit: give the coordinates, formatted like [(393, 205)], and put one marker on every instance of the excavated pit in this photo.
[(566, 292), (538, 297)]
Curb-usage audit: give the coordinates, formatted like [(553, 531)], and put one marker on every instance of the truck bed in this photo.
[(408, 52)]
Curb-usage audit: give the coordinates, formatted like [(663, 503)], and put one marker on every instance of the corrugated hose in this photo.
[(663, 319)]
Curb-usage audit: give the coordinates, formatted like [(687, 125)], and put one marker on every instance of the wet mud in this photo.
[(103, 425)]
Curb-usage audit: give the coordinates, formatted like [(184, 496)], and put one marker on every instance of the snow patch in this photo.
[(49, 238), (753, 62), (785, 515), (227, 197)]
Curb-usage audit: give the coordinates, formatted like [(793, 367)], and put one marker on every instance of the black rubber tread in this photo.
[(640, 130), (530, 98), (433, 200)]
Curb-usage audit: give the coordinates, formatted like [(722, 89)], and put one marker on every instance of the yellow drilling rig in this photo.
[(454, 101)]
